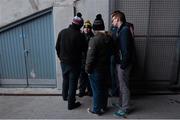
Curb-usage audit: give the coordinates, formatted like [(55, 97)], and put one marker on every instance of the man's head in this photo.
[(87, 27), (98, 24), (118, 18), (78, 20)]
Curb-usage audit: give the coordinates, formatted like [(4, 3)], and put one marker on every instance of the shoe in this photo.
[(95, 113), (65, 98), (75, 105), (120, 113), (116, 105), (81, 94), (104, 110), (89, 93)]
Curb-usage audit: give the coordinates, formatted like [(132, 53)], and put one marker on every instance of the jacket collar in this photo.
[(74, 27), (119, 29)]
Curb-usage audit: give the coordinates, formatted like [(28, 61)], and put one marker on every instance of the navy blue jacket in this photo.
[(125, 45)]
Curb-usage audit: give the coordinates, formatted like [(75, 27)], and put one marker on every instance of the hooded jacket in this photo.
[(99, 52), (126, 45), (70, 45)]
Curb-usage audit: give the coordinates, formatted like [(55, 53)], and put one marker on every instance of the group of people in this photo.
[(99, 59)]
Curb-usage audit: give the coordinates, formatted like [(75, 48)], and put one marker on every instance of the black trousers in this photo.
[(70, 80), (84, 81)]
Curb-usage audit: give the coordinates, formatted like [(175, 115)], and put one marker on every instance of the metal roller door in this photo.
[(27, 53)]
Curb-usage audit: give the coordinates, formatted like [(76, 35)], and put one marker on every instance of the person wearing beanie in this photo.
[(98, 23), (78, 20), (98, 66), (84, 80), (70, 46)]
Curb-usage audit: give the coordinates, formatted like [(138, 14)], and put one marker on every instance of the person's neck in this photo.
[(98, 31), (119, 24)]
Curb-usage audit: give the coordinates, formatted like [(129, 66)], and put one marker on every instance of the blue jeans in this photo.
[(70, 80), (100, 90)]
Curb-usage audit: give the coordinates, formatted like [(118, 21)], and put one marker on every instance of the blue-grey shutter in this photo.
[(12, 64), (39, 42)]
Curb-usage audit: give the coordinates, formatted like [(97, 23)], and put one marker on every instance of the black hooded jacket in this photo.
[(99, 52), (70, 45)]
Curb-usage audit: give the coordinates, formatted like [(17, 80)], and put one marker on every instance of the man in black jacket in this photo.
[(98, 65), (70, 46)]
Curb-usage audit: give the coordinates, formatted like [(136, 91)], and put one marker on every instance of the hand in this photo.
[(89, 74)]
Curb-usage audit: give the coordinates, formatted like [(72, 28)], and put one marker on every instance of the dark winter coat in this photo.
[(70, 45), (99, 52), (88, 36)]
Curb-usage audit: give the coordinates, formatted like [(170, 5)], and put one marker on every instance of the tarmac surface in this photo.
[(51, 106)]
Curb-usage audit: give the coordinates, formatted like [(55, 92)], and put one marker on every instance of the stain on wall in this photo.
[(34, 4)]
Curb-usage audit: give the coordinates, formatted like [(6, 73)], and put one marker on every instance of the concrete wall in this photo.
[(12, 10), (90, 8), (63, 15)]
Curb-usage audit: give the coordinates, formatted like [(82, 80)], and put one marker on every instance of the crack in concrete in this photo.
[(34, 4)]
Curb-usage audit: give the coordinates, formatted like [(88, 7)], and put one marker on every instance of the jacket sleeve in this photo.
[(58, 45), (124, 39), (84, 49), (84, 43), (90, 59)]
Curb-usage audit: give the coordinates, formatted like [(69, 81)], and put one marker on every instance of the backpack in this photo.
[(134, 56)]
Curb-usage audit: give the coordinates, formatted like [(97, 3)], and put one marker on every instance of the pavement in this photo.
[(28, 104)]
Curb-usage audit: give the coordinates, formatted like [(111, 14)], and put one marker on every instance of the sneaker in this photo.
[(116, 105), (75, 105), (92, 112), (120, 113)]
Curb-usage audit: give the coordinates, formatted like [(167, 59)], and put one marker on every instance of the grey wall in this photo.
[(157, 24), (12, 10), (90, 8)]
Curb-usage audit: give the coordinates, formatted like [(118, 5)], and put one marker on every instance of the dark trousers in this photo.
[(100, 91), (70, 81), (114, 86), (84, 81)]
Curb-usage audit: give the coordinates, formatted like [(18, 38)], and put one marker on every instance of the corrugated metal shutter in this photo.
[(12, 64), (39, 42), (27, 55)]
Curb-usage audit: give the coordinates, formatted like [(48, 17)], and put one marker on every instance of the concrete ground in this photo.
[(52, 106)]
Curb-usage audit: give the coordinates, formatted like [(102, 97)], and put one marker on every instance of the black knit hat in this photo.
[(78, 20), (98, 23)]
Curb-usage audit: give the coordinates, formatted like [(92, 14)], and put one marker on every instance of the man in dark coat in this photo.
[(124, 60), (70, 46), (84, 82), (98, 66)]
